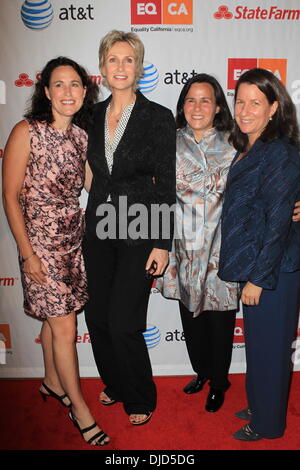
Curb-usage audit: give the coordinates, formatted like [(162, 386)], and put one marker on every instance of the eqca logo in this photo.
[(161, 12), (236, 67)]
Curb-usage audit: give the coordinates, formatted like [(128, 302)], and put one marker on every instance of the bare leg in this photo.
[(51, 377), (63, 331)]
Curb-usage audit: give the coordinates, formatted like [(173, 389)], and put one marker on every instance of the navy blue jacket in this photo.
[(259, 238)]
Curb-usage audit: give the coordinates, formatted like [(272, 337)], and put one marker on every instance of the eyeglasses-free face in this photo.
[(252, 111), (200, 108)]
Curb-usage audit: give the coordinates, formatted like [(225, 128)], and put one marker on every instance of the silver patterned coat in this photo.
[(201, 174)]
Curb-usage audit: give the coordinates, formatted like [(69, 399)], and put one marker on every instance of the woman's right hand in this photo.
[(296, 214), (35, 269)]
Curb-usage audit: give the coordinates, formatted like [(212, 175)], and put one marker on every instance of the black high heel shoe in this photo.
[(54, 395), (100, 436)]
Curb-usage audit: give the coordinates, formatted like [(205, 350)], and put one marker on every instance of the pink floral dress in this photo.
[(54, 221)]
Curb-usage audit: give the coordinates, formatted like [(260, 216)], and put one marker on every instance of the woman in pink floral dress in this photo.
[(43, 175)]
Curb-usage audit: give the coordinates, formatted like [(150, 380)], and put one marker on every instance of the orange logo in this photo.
[(276, 66), (5, 336), (180, 12)]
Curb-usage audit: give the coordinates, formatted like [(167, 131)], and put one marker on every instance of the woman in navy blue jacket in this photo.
[(261, 245)]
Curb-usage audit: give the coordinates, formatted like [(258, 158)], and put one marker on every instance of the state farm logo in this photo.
[(80, 339), (258, 13), (223, 12), (5, 342), (236, 67), (162, 12), (24, 80), (8, 281)]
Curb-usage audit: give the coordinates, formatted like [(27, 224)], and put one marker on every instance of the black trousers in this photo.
[(209, 339), (116, 318)]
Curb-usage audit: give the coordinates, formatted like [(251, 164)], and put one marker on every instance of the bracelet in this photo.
[(25, 259)]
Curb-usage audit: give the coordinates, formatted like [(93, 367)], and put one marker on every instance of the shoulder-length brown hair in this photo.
[(284, 120)]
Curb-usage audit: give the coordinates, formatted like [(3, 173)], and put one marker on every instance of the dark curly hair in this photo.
[(223, 119), (40, 107), (284, 120)]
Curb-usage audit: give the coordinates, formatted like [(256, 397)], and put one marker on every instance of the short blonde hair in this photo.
[(133, 40)]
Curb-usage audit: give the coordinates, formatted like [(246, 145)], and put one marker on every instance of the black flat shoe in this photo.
[(243, 414), (246, 434), (195, 385), (215, 400), (50, 393)]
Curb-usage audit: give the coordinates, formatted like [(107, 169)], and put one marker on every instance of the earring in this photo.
[(270, 118)]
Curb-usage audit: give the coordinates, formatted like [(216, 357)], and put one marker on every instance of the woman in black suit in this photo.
[(131, 154)]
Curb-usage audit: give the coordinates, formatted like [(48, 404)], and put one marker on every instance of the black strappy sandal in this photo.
[(100, 436), (54, 395)]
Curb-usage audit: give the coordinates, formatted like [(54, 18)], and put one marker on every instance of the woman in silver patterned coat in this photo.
[(207, 304)]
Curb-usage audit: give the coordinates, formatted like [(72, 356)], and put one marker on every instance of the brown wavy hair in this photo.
[(39, 108)]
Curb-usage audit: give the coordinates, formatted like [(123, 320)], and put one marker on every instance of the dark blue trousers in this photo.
[(270, 329)]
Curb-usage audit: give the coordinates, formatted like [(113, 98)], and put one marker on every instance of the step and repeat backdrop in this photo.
[(182, 38)]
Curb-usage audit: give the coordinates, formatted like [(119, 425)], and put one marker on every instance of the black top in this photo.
[(143, 171)]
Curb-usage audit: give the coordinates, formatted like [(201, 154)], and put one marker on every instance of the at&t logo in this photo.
[(161, 12), (236, 67), (37, 14), (152, 336), (149, 80)]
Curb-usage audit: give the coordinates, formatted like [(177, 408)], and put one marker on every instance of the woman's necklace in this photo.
[(118, 116)]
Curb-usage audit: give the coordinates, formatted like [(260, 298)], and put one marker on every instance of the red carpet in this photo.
[(179, 423)]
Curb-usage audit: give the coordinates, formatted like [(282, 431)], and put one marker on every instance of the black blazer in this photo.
[(143, 168)]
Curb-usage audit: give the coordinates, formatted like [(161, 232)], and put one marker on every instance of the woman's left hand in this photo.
[(251, 294), (161, 258)]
